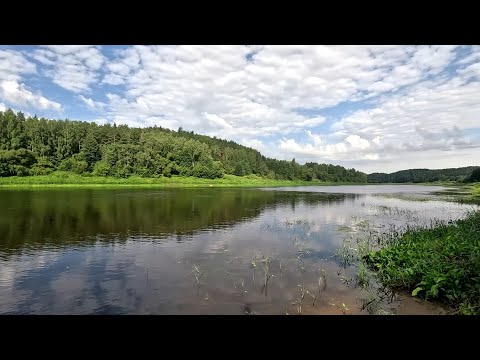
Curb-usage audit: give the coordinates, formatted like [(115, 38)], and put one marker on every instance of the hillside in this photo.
[(32, 146), (422, 175)]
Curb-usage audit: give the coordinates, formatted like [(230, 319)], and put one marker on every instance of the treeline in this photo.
[(423, 175), (32, 146)]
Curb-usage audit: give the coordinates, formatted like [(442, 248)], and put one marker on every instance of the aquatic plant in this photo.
[(440, 262)]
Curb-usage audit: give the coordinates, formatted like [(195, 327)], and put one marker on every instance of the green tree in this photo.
[(43, 166), (91, 150), (475, 176)]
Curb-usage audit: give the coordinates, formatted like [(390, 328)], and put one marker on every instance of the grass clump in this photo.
[(441, 263)]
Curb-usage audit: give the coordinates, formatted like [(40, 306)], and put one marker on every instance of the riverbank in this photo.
[(464, 193), (65, 179), (440, 263)]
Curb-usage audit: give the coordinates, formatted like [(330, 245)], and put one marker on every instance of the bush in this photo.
[(123, 171), (101, 168), (170, 169), (43, 166), (143, 171), (16, 162), (74, 164), (207, 172)]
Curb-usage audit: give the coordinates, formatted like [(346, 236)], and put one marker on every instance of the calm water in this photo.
[(194, 251)]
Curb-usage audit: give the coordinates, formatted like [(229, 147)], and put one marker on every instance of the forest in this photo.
[(425, 175), (39, 146)]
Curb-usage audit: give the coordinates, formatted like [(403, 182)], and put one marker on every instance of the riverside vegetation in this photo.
[(439, 261)]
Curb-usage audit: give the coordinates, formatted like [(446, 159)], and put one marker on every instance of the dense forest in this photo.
[(33, 146), (423, 175)]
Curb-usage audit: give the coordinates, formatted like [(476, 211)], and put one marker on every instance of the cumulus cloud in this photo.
[(73, 67), (91, 104), (352, 147), (13, 65), (216, 121), (432, 115), (252, 89), (15, 93), (256, 144)]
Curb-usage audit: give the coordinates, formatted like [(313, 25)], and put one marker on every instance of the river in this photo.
[(199, 251)]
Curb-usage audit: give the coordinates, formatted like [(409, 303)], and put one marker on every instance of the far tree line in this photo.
[(465, 174), (38, 146)]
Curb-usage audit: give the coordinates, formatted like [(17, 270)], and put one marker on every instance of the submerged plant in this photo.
[(198, 275), (343, 308), (322, 282), (253, 265), (344, 254), (364, 275), (266, 269)]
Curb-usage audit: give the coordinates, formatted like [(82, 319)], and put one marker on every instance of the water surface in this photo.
[(195, 251)]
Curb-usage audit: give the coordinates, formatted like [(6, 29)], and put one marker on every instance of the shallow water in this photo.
[(196, 251)]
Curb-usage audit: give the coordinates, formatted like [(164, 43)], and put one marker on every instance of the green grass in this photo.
[(466, 193), (66, 179), (441, 263), (475, 189)]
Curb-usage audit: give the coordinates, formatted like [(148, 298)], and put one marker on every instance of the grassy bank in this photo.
[(66, 179), (465, 193), (474, 190), (441, 263)]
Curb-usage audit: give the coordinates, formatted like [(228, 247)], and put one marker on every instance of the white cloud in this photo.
[(13, 65), (431, 117), (472, 57), (93, 105), (113, 79), (179, 84), (353, 147), (317, 140), (471, 71), (255, 144), (73, 67), (15, 93), (216, 121)]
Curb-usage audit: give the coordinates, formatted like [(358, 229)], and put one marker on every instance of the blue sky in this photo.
[(375, 108)]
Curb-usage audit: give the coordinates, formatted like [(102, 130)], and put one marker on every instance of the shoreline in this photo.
[(77, 181)]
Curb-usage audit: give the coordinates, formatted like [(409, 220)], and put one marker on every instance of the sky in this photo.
[(375, 108)]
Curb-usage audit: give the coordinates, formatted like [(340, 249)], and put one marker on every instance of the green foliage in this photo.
[(78, 147), (442, 263), (423, 175), (75, 164), (475, 176), (16, 162), (91, 150), (101, 168), (43, 166)]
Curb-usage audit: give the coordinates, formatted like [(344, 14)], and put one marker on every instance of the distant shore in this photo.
[(65, 179)]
